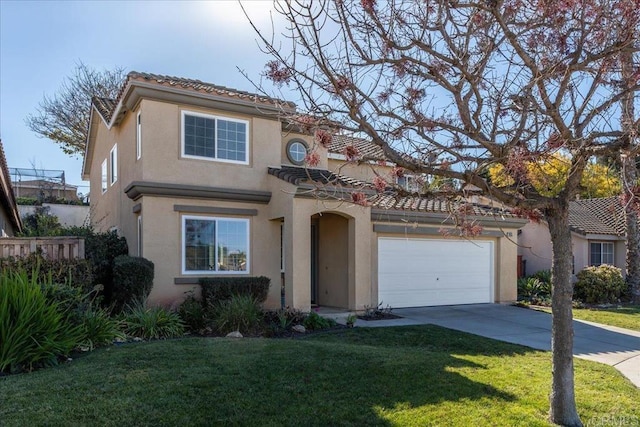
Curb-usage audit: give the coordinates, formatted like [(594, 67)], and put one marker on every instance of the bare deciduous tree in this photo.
[(451, 88), (64, 118)]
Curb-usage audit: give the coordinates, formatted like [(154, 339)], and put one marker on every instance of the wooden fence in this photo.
[(51, 247)]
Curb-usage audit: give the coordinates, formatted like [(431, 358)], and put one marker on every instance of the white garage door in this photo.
[(422, 272)]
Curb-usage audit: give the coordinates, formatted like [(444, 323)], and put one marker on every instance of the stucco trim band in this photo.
[(388, 215), (137, 189), (215, 210), (137, 208), (428, 231)]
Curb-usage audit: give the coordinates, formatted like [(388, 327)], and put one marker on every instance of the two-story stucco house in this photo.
[(208, 181)]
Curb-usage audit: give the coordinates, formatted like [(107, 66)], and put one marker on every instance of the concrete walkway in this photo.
[(613, 346)]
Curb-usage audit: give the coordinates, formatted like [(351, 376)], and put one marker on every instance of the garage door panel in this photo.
[(419, 272)]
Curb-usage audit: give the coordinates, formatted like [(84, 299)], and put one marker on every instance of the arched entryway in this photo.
[(330, 260)]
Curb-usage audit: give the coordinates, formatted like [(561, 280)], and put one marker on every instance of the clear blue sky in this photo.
[(41, 42)]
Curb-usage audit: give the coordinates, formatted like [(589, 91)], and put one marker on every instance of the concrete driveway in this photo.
[(613, 346)]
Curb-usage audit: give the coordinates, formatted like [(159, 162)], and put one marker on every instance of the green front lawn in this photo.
[(422, 375), (627, 317)]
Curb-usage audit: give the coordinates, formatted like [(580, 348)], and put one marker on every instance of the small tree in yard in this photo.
[(64, 118), (450, 89)]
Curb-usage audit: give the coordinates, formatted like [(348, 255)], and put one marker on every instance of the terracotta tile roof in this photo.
[(597, 216), (105, 107), (200, 86), (298, 176), (365, 147)]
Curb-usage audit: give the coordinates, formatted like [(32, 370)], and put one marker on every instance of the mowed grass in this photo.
[(627, 317), (420, 375)]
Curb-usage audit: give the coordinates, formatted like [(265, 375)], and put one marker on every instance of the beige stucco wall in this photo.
[(6, 229), (162, 243), (163, 162)]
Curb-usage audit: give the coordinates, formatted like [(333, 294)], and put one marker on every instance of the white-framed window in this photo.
[(138, 136), (113, 162), (104, 176), (410, 183), (600, 253), (215, 245), (215, 138), (140, 235)]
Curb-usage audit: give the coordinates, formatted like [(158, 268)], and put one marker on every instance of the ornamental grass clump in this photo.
[(34, 331), (148, 323), (239, 313)]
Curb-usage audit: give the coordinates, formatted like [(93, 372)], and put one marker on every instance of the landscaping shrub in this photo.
[(215, 289), (283, 318), (101, 249), (599, 285), (238, 313), (316, 322), (34, 331), (97, 328), (74, 272), (151, 322), (193, 314), (132, 280), (545, 277), (533, 290)]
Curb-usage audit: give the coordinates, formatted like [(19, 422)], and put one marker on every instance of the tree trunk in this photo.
[(562, 399), (629, 179)]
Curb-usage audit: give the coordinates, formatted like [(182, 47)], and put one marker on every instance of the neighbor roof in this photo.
[(7, 199), (597, 216)]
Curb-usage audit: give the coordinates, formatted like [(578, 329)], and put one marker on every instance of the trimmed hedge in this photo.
[(72, 272), (101, 249), (216, 289), (132, 280)]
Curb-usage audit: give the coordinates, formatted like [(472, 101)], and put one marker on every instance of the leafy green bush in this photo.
[(544, 276), (599, 285), (101, 249), (34, 331), (533, 290), (316, 322), (238, 313), (193, 313), (215, 289), (74, 272), (151, 322), (132, 280)]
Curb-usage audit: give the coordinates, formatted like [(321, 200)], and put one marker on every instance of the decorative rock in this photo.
[(137, 339), (299, 328), (234, 334)]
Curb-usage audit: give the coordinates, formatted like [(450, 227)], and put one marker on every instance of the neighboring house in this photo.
[(9, 217), (209, 181), (42, 189), (598, 236)]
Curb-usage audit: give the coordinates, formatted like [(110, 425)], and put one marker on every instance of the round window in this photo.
[(296, 151)]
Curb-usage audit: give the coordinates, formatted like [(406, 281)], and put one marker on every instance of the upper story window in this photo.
[(410, 183), (138, 136), (113, 157), (601, 253), (297, 151), (104, 176), (215, 138)]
